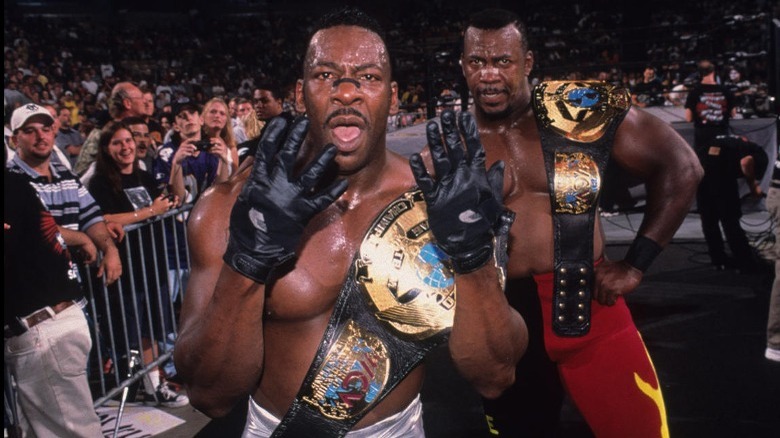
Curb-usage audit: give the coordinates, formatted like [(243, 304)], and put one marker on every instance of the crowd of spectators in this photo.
[(75, 59)]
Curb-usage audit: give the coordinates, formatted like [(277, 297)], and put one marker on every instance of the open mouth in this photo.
[(346, 131)]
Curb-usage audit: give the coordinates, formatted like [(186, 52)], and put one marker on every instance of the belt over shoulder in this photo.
[(577, 121)]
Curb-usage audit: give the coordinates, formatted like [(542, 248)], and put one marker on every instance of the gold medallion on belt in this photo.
[(577, 182), (410, 286)]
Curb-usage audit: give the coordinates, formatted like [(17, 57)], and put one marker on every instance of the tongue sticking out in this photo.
[(346, 133)]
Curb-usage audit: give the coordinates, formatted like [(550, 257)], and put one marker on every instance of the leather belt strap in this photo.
[(397, 303), (577, 123), (38, 317)]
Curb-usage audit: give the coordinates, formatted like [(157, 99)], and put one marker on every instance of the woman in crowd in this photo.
[(129, 195), (216, 124)]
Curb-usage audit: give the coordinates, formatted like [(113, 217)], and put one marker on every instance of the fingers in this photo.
[(330, 194), (292, 145), (441, 164), (269, 144), (424, 180), (476, 153), (452, 137), (314, 171)]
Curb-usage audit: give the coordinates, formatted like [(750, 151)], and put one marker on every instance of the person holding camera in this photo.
[(190, 163)]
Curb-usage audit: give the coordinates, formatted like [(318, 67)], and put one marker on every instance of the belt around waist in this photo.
[(36, 318)]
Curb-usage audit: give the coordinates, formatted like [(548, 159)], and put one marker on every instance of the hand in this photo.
[(614, 279), (274, 206), (86, 252), (116, 230), (111, 266), (162, 204), (464, 203)]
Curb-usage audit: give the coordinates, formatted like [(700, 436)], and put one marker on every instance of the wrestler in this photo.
[(258, 317), (555, 140)]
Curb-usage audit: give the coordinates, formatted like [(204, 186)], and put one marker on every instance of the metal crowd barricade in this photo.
[(139, 310)]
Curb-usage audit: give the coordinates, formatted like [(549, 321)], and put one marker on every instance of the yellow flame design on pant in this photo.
[(655, 396)]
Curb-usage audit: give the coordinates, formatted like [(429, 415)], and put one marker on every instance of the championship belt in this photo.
[(397, 303), (577, 121)]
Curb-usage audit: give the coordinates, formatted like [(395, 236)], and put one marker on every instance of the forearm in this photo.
[(223, 170), (131, 217), (219, 351), (488, 336), (176, 182), (73, 238), (101, 237)]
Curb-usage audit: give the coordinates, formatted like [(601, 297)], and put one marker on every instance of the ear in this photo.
[(300, 100), (393, 98), (529, 62)]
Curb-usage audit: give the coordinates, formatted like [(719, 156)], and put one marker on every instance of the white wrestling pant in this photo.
[(408, 423)]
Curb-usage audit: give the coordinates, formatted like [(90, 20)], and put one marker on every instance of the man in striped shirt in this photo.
[(67, 199)]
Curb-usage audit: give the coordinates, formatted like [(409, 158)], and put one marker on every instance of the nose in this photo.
[(346, 91), (489, 74)]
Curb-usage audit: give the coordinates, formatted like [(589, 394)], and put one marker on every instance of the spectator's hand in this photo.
[(85, 252), (116, 230), (162, 204), (465, 206), (6, 227), (186, 149), (111, 266), (614, 279), (274, 206), (219, 148)]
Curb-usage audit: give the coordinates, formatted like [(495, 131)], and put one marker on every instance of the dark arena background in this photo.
[(704, 328)]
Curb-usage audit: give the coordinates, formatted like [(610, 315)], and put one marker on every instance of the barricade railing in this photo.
[(138, 314)]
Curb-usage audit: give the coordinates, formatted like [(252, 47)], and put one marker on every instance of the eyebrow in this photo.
[(338, 67)]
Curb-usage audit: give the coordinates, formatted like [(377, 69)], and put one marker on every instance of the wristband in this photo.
[(642, 252)]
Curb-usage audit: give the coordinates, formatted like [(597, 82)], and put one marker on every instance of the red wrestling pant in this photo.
[(607, 373)]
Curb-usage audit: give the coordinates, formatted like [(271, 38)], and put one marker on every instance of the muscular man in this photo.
[(559, 135), (345, 272)]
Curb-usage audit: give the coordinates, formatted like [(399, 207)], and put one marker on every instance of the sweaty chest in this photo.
[(524, 174)]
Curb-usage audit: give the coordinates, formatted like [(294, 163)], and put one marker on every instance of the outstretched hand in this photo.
[(464, 201), (274, 206)]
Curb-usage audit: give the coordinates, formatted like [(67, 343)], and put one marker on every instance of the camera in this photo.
[(202, 145)]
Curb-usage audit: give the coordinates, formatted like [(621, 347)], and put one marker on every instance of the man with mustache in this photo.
[(555, 139), (320, 294)]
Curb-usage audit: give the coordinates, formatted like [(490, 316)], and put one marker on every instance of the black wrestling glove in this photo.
[(464, 202), (273, 208)]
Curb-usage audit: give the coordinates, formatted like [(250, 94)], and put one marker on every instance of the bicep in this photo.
[(646, 145)]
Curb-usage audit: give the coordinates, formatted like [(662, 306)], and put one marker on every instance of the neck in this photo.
[(39, 165)]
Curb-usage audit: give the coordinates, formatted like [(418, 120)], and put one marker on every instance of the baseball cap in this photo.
[(178, 107), (24, 113)]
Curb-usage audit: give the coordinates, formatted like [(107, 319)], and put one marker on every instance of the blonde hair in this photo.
[(226, 133), (252, 125)]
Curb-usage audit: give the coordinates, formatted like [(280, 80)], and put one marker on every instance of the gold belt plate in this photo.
[(407, 277), (577, 182), (352, 376), (580, 110)]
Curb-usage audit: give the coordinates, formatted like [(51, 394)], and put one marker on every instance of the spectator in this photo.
[(650, 91), (126, 101), (216, 123), (59, 188), (47, 338), (67, 139), (129, 195)]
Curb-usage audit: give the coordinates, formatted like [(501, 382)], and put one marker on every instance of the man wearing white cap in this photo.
[(58, 188)]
